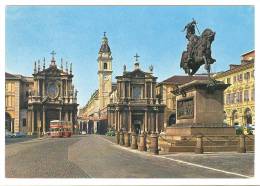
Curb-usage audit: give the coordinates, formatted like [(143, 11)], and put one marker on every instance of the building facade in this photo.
[(94, 114), (53, 97), (164, 93), (239, 97), (133, 104), (17, 88)]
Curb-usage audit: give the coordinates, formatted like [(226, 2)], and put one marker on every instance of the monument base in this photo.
[(186, 130)]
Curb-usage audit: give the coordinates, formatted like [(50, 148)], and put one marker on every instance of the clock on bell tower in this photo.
[(104, 72)]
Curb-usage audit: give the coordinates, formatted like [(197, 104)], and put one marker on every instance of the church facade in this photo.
[(53, 97), (133, 104)]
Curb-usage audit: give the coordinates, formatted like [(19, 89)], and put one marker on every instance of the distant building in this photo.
[(93, 116), (164, 94), (239, 97), (17, 88), (133, 104)]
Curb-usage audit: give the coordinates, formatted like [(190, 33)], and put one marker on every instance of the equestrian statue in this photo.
[(198, 49)]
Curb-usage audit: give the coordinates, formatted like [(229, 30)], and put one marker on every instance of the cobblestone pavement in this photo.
[(98, 157)]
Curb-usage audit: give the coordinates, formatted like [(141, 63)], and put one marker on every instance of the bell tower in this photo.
[(104, 72)]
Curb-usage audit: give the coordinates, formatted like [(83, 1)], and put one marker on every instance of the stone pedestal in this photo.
[(142, 143), (242, 144), (126, 139), (200, 110), (199, 145), (154, 144), (121, 138), (133, 141), (117, 136)]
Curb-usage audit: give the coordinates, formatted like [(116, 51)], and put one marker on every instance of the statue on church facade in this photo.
[(198, 49)]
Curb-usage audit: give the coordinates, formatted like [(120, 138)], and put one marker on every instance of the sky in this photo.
[(154, 32)]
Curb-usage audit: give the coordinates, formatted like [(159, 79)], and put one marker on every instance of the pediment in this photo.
[(52, 71), (137, 74)]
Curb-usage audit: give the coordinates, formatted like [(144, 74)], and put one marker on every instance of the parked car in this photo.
[(19, 135), (83, 132), (9, 134), (249, 129), (239, 129)]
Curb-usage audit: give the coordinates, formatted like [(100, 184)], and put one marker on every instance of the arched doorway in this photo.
[(8, 122), (172, 119), (235, 118), (248, 116)]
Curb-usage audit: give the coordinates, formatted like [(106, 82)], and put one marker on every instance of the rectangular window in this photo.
[(234, 79), (240, 97), (137, 92), (247, 76), (253, 94), (228, 80), (246, 95), (237, 97)]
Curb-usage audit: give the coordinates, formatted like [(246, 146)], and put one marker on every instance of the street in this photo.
[(94, 156)]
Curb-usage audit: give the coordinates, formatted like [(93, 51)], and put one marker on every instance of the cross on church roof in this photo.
[(53, 53), (136, 57)]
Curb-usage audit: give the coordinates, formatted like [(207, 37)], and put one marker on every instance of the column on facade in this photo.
[(129, 89), (130, 121), (71, 116), (119, 120), (66, 88), (35, 87), (29, 122), (43, 88), (156, 122), (116, 121), (145, 121), (123, 89), (38, 120), (145, 90), (38, 87), (60, 114), (151, 94), (44, 120), (12, 125), (61, 87), (33, 114), (119, 89)]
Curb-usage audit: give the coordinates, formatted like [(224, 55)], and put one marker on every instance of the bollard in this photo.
[(126, 139), (117, 137), (242, 144), (142, 143), (133, 141), (154, 144), (121, 138), (199, 145)]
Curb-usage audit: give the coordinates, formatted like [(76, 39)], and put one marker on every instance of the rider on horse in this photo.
[(191, 36)]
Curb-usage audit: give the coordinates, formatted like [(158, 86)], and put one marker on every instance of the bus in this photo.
[(59, 129)]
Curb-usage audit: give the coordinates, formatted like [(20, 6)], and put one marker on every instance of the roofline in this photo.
[(234, 70), (248, 52)]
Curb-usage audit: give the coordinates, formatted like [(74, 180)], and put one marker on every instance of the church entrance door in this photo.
[(137, 123)]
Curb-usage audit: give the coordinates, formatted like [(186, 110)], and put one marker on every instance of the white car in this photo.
[(83, 132)]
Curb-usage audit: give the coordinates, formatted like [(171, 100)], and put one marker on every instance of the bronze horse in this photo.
[(198, 53)]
